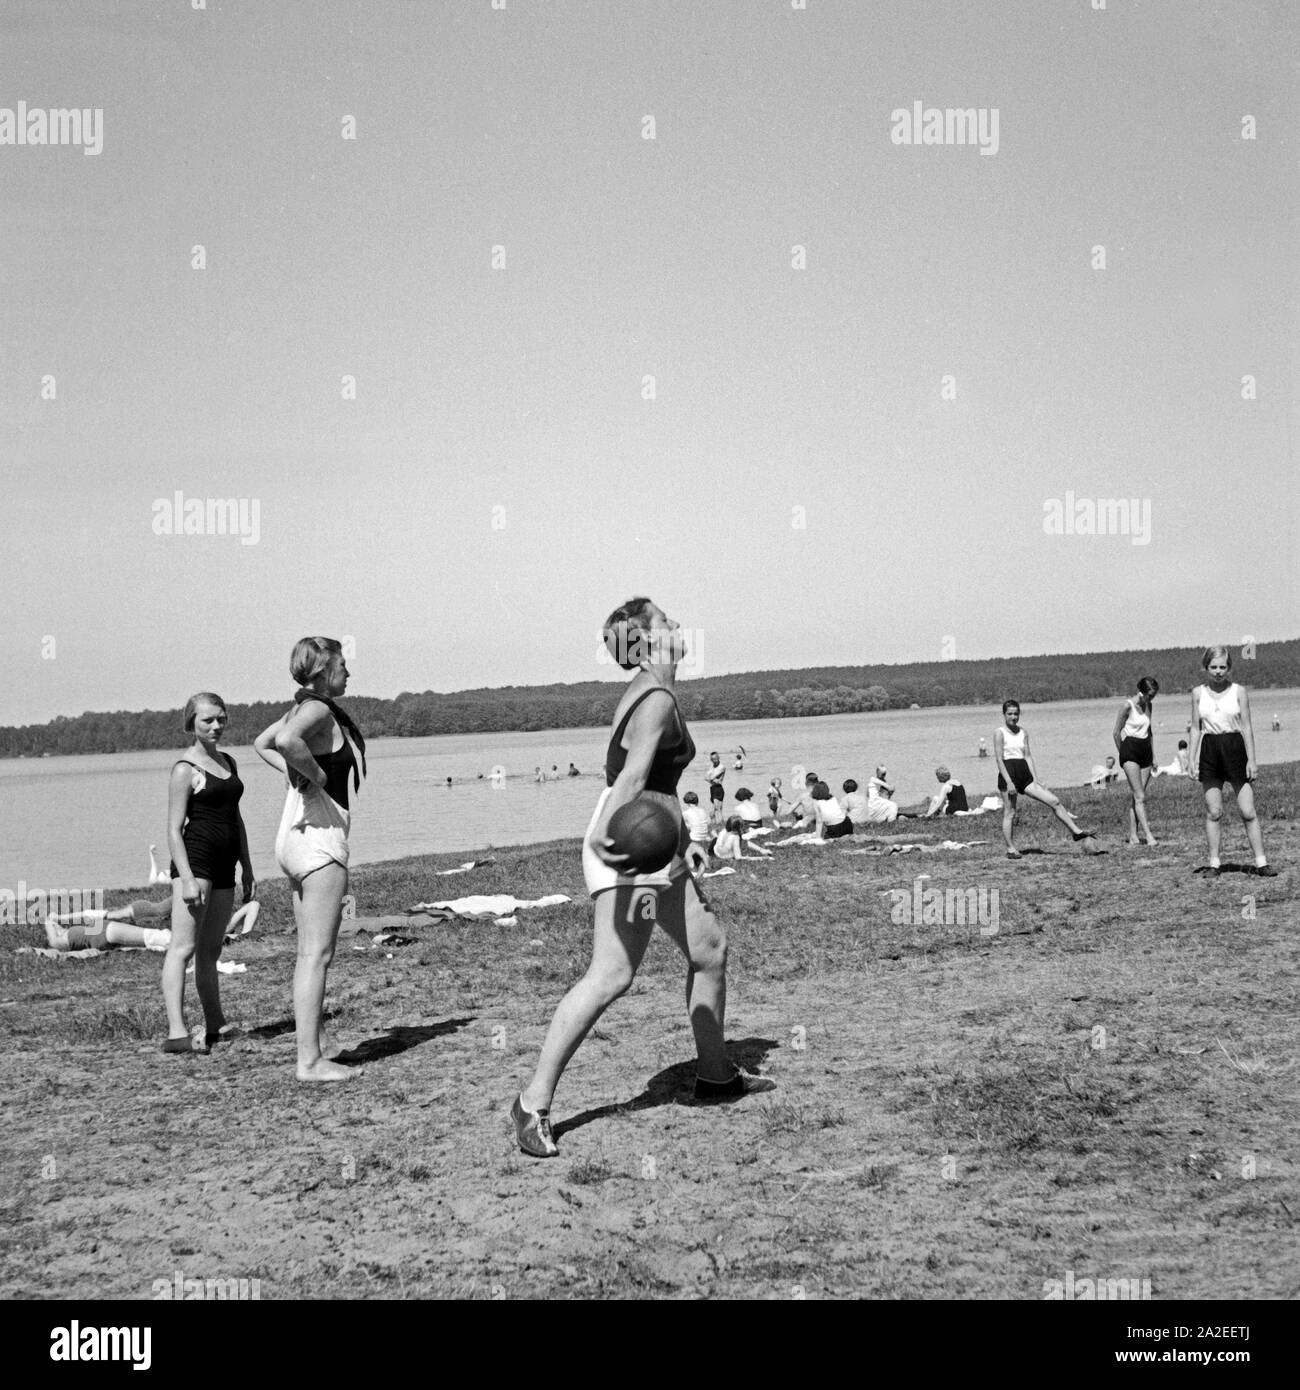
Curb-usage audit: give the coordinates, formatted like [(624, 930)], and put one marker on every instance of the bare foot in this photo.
[(324, 1070), (1153, 843), (329, 1049), (1133, 840)]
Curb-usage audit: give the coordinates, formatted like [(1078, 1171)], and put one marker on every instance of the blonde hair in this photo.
[(1210, 653), (204, 697), (311, 656)]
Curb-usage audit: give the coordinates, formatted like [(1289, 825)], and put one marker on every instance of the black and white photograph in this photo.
[(652, 653)]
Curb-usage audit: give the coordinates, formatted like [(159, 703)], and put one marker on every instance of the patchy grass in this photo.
[(1108, 1079)]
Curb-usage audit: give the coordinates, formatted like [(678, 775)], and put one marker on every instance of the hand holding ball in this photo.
[(646, 831)]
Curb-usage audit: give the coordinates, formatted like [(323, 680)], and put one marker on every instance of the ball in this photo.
[(647, 832)]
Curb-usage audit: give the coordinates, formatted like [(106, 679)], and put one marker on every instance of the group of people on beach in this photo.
[(318, 750)]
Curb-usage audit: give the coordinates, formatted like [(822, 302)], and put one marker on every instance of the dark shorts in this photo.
[(837, 832), (213, 857), (1223, 759), (1020, 774), (715, 791), (1135, 750)]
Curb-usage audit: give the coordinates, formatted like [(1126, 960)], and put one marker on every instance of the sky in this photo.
[(589, 364)]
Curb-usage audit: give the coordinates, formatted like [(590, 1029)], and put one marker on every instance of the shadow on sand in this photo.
[(672, 1086), (400, 1039)]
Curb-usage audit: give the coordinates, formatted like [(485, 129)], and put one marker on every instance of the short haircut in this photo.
[(1010, 704), (204, 697), (735, 824), (821, 792), (942, 773), (1149, 687), (811, 779), (744, 794), (1182, 743), (850, 785), (1210, 653), (691, 799), (311, 656), (628, 618)]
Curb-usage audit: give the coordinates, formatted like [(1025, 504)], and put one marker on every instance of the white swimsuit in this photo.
[(313, 832)]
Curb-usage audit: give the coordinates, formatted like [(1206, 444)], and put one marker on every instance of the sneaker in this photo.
[(1264, 871), (742, 1084), (533, 1130)]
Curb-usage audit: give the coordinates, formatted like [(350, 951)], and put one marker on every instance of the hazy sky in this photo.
[(799, 490)]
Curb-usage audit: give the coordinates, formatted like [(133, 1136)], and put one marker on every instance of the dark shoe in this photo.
[(1085, 835), (1211, 869), (183, 1045), (533, 1131), (1263, 871), (742, 1084)]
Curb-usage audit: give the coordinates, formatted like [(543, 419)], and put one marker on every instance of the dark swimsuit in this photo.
[(211, 833), (338, 767), (670, 760)]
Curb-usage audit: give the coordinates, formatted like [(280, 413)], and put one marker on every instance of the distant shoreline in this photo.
[(747, 697)]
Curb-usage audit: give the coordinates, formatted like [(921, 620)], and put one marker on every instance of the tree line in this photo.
[(752, 695)]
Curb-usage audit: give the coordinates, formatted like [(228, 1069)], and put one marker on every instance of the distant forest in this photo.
[(755, 695)]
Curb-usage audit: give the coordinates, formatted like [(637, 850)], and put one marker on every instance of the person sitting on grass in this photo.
[(832, 822), (854, 803), (802, 815), (1016, 777), (746, 810), (731, 843), (1102, 773), (1180, 766), (950, 798), (697, 821)]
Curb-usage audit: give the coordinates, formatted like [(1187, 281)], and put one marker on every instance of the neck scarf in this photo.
[(346, 724)]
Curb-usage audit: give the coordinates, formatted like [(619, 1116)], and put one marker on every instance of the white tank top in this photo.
[(1137, 725), (1221, 713), (1013, 745)]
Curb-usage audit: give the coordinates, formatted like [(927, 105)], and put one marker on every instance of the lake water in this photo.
[(88, 821)]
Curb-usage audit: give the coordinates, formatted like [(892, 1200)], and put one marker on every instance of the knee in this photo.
[(610, 983), (313, 955), (1214, 813), (709, 949)]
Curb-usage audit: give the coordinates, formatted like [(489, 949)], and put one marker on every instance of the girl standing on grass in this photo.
[(206, 836), (1016, 775), (649, 749), (1135, 746), (312, 745), (1223, 750)]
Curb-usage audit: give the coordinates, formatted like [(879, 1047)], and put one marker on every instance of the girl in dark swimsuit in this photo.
[(312, 745), (207, 839), (649, 749)]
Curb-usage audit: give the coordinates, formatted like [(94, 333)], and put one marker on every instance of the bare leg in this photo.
[(318, 909), (1138, 777), (1213, 814), (1246, 805), (1009, 819), (702, 940), (210, 939), (625, 917), (1049, 798), (187, 922)]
